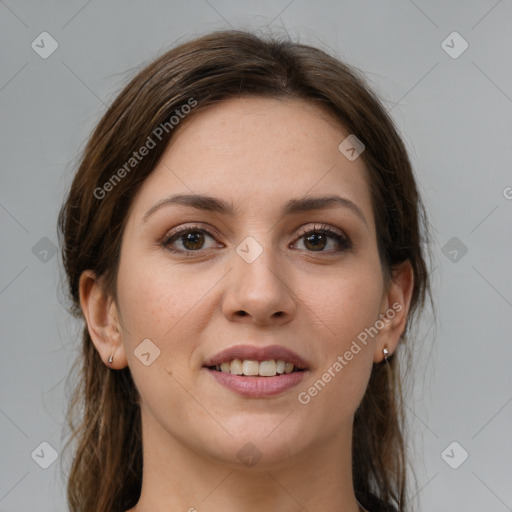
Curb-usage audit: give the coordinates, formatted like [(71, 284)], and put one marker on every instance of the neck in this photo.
[(180, 477)]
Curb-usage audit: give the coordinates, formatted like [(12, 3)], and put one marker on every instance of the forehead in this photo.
[(259, 152), (256, 129)]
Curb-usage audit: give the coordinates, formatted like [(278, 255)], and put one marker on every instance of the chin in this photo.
[(261, 447)]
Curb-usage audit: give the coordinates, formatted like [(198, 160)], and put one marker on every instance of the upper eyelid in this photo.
[(193, 227), (319, 226)]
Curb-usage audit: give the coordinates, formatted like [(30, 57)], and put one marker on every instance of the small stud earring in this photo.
[(111, 358), (385, 351)]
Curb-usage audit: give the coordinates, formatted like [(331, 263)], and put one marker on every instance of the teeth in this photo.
[(267, 368), (249, 367), (236, 367)]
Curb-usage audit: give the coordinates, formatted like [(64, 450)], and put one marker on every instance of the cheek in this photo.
[(157, 303), (331, 398), (165, 303), (350, 305), (148, 304)]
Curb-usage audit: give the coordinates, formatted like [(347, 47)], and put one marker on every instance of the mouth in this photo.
[(257, 372), (252, 360), (252, 368), (257, 386)]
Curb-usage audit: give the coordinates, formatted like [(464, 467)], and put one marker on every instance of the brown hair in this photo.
[(103, 414)]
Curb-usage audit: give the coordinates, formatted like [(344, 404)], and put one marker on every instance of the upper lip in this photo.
[(255, 353)]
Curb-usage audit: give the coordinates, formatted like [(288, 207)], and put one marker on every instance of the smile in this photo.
[(250, 367)]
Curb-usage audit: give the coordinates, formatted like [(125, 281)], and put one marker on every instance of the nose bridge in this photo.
[(257, 264), (258, 287)]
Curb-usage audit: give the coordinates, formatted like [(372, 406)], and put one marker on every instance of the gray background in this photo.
[(455, 116)]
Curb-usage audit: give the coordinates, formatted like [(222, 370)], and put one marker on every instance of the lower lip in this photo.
[(258, 387)]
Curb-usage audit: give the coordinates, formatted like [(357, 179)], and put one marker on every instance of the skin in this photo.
[(256, 154)]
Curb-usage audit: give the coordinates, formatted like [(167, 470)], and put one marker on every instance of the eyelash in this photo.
[(324, 229)]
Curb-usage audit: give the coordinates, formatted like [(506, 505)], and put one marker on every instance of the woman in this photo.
[(243, 239)]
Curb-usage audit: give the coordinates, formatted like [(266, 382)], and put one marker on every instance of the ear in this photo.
[(102, 319), (394, 310)]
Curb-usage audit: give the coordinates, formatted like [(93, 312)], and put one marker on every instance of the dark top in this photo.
[(373, 504)]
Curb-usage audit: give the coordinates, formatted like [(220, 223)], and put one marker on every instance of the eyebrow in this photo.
[(292, 207)]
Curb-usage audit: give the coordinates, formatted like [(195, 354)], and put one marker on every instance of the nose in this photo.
[(259, 292)]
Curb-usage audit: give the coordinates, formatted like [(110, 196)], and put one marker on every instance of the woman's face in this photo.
[(256, 277)]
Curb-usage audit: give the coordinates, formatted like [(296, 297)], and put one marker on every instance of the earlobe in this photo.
[(101, 316), (394, 311)]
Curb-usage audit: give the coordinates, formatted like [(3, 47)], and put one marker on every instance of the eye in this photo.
[(192, 239), (317, 238)]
